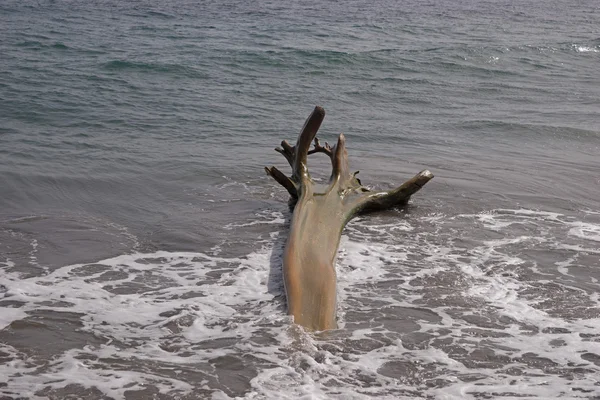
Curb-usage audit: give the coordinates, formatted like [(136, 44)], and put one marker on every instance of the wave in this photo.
[(429, 306), (34, 44), (150, 67)]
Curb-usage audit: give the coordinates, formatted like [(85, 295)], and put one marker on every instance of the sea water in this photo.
[(141, 241)]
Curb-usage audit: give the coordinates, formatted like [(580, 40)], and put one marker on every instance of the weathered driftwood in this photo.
[(318, 220)]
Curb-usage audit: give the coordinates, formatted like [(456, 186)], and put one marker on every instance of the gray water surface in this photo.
[(141, 241)]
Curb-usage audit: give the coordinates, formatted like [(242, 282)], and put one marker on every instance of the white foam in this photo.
[(493, 222), (70, 369), (586, 49), (563, 266), (276, 218), (164, 277), (585, 230), (9, 315), (578, 248), (33, 252), (591, 212), (536, 214), (417, 301)]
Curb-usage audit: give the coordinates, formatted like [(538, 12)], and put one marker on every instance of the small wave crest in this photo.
[(149, 67), (586, 49)]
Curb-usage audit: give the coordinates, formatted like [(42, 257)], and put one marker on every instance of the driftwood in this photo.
[(318, 220)]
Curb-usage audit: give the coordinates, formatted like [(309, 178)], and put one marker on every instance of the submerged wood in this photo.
[(319, 218)]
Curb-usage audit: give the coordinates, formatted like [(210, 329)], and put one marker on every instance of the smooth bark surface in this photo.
[(318, 220)]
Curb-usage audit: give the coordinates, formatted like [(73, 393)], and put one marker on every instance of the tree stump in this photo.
[(318, 220)]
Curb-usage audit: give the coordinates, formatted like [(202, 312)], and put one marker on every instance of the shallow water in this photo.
[(140, 241)]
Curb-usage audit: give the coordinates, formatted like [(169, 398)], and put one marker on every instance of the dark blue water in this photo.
[(140, 239)]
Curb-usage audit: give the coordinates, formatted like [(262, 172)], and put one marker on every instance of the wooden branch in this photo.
[(283, 180), (288, 152), (376, 201), (340, 161), (321, 149), (297, 155), (305, 138)]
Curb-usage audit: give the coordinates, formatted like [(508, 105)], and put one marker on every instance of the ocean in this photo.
[(141, 240)]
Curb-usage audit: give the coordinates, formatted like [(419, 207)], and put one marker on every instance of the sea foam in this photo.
[(425, 311)]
